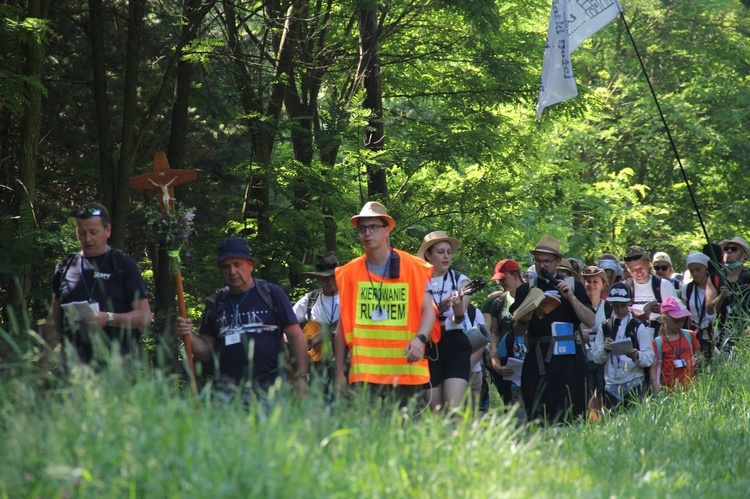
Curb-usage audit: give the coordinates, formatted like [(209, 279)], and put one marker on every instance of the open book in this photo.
[(78, 310), (538, 301)]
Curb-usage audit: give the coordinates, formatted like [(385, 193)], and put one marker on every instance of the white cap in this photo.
[(697, 258), (660, 256)]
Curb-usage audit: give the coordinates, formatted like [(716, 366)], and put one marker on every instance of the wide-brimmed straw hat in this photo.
[(739, 241), (433, 238), (548, 244), (324, 266), (373, 209), (566, 265)]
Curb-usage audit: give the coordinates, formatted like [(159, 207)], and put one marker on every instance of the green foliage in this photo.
[(134, 432)]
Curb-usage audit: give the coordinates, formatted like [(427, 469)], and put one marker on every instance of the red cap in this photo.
[(503, 267)]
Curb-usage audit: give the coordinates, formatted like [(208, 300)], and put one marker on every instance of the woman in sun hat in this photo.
[(450, 359)]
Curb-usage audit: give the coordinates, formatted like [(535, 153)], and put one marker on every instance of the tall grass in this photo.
[(134, 432)]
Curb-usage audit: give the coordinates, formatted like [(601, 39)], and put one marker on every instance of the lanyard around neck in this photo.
[(96, 268)]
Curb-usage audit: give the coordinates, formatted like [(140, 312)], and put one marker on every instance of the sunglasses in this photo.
[(634, 258), (731, 248), (659, 268), (94, 212)]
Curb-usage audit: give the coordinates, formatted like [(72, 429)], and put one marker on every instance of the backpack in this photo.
[(630, 330), (655, 286), (117, 264), (263, 291)]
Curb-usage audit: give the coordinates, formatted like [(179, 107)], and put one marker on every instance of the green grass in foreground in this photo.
[(135, 434)]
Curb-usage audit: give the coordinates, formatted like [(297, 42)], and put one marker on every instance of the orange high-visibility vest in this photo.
[(377, 347)]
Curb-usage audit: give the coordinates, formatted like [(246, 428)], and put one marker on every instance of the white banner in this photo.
[(570, 23)]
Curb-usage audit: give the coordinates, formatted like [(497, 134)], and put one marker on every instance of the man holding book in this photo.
[(99, 298), (553, 380)]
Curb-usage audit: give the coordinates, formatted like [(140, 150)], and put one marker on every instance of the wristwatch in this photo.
[(422, 338), (110, 319), (304, 375)]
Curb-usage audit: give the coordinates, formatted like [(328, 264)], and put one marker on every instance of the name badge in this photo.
[(232, 336), (379, 315), (679, 363), (94, 306)]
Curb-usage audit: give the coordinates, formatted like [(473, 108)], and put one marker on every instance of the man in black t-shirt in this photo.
[(107, 286), (248, 316)]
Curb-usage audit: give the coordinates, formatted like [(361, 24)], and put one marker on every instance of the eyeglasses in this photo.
[(95, 212), (374, 228), (544, 262), (731, 248), (659, 268)]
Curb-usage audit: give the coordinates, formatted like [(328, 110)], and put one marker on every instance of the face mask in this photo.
[(733, 265)]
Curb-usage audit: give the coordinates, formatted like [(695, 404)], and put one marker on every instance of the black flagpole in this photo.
[(666, 127)]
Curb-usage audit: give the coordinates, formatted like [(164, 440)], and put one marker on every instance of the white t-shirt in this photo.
[(444, 286), (695, 303), (325, 310), (644, 293)]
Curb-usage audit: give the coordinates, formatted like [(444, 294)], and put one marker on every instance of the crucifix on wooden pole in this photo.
[(163, 180)]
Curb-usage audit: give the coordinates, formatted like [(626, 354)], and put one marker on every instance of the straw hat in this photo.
[(548, 244), (594, 271), (373, 209), (433, 238), (566, 265)]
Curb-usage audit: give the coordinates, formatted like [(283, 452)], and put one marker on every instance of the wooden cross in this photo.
[(162, 179), (165, 179)]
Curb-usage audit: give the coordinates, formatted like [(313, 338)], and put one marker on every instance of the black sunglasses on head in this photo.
[(94, 212), (634, 258)]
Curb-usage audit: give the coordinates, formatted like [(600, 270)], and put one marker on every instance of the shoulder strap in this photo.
[(510, 339), (265, 293), (630, 331), (607, 310), (117, 264), (311, 302), (689, 290), (66, 262), (607, 327), (498, 303), (472, 313), (658, 347), (656, 287)]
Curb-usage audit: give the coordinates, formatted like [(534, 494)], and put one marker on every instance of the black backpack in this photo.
[(630, 330), (117, 264)]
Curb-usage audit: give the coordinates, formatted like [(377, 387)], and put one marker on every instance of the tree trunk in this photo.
[(121, 202), (101, 104), (377, 185), (31, 123)]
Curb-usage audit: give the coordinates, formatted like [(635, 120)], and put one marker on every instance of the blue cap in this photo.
[(234, 247)]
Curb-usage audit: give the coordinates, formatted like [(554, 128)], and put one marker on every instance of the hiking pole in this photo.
[(188, 340)]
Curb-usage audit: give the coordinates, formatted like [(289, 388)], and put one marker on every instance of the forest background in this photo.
[(295, 113)]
